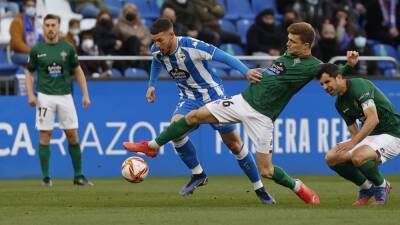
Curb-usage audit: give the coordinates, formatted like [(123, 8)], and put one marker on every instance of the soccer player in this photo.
[(377, 141), (258, 106), (57, 64), (186, 60)]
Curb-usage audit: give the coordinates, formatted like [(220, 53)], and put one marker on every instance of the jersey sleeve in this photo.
[(206, 51), (364, 94), (154, 72), (32, 60), (349, 120), (73, 58), (233, 62)]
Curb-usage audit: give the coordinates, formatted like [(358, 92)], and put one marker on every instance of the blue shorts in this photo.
[(186, 105)]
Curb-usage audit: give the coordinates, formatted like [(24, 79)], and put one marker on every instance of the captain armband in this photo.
[(367, 104)]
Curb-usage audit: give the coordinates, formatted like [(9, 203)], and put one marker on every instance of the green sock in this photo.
[(348, 171), (76, 157), (175, 130), (282, 178), (371, 171), (44, 156)]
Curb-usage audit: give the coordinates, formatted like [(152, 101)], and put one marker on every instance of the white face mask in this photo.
[(74, 31), (30, 11), (181, 1), (87, 44), (360, 42)]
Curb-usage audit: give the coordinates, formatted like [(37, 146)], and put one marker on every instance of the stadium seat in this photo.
[(88, 23), (62, 8), (147, 22), (116, 73), (232, 49), (236, 73), (6, 68), (259, 5), (219, 72), (386, 50), (145, 8), (242, 27), (227, 25), (136, 72), (157, 5), (114, 3), (238, 9)]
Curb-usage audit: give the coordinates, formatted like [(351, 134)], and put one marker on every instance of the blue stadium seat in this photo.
[(146, 8), (238, 9), (242, 27), (136, 72), (386, 50), (114, 3), (232, 49), (147, 23), (6, 68), (157, 5), (259, 5), (219, 72), (116, 73), (227, 25), (236, 73)]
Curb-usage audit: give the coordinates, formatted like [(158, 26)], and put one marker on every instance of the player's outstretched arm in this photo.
[(80, 78), (29, 81)]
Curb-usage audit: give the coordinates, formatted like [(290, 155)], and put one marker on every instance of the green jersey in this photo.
[(55, 64), (360, 94), (280, 82)]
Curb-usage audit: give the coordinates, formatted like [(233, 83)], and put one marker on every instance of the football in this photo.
[(134, 169)]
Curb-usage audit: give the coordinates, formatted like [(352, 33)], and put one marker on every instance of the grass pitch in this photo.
[(225, 200)]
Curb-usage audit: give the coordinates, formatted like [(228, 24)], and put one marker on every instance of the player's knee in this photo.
[(72, 137), (330, 158), (267, 172), (192, 118), (45, 137), (357, 159)]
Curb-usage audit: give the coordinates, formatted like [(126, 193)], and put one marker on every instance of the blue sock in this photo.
[(248, 165), (187, 152)]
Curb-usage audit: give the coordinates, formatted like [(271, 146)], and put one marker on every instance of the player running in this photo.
[(186, 60), (56, 63), (377, 141)]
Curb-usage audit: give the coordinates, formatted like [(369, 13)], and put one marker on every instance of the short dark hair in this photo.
[(73, 21), (161, 25), (329, 68), (51, 17), (304, 30)]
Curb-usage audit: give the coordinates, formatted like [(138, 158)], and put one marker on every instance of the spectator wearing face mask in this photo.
[(359, 43), (25, 32), (264, 36), (327, 47), (104, 36), (89, 48), (74, 27)]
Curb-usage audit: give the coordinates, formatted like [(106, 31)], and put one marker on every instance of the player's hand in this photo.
[(32, 100), (253, 75), (344, 147), (85, 101), (352, 58), (150, 96)]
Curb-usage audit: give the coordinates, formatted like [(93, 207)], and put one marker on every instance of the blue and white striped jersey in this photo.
[(188, 66)]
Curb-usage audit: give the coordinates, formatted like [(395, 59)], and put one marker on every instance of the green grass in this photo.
[(225, 200)]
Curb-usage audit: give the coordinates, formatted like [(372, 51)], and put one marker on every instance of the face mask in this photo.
[(360, 42), (130, 16), (87, 44), (181, 1), (74, 31), (30, 11)]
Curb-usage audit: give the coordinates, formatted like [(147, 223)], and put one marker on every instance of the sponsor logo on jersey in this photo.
[(54, 70), (277, 68), (179, 74), (41, 55)]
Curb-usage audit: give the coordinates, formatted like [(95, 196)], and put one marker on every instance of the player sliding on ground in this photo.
[(377, 141), (257, 107), (186, 59)]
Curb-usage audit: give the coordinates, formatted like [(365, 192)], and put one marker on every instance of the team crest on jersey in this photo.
[(179, 74), (63, 54), (277, 68), (296, 61), (54, 70)]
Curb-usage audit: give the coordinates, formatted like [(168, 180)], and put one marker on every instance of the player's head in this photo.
[(51, 26), (300, 38), (162, 33), (331, 79)]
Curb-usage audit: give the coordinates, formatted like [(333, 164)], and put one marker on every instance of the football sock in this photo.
[(348, 171), (197, 170), (44, 156), (371, 171), (247, 163), (366, 185), (282, 178), (76, 157), (187, 152), (177, 129)]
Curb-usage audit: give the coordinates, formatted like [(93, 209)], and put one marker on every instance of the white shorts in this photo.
[(235, 110), (385, 145), (48, 106)]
